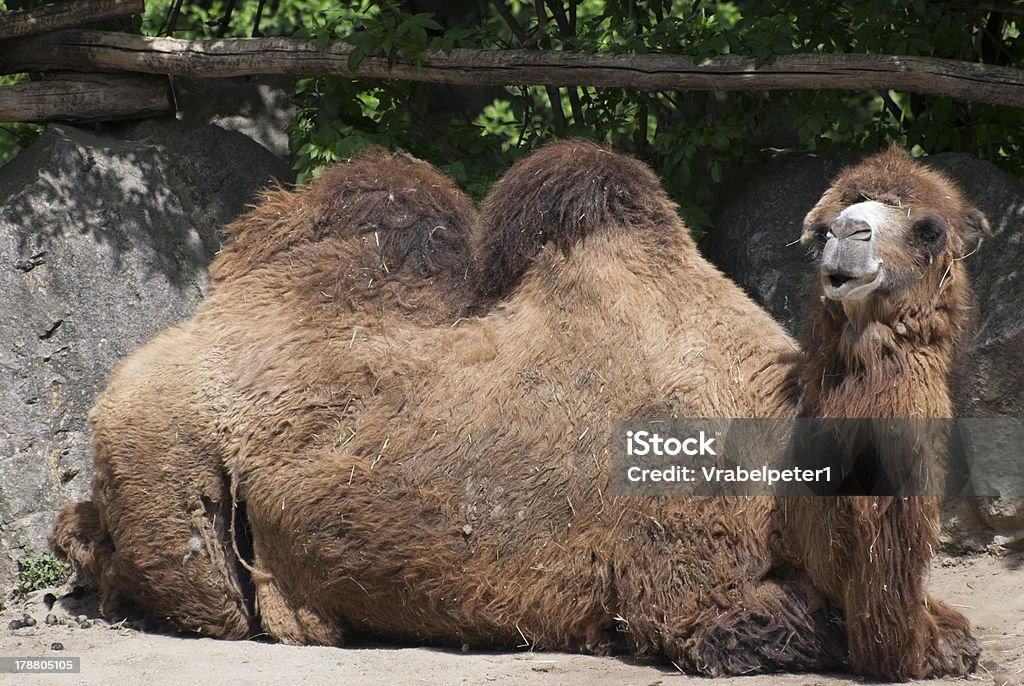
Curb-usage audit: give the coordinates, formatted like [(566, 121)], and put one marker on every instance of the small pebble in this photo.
[(84, 625), (51, 619), (28, 621), (57, 646), (15, 624), (81, 618)]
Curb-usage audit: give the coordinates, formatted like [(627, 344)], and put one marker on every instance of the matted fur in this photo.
[(412, 476), (383, 239)]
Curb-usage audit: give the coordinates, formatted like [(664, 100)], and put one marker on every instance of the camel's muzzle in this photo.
[(849, 265)]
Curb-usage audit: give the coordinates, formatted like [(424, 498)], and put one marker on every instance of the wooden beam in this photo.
[(85, 98), (101, 51), (65, 15)]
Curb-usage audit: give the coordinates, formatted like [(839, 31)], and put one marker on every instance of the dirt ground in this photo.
[(987, 588)]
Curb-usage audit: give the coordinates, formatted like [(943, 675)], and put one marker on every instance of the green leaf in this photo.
[(355, 58)]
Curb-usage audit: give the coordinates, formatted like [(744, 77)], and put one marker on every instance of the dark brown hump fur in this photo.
[(422, 221), (561, 194)]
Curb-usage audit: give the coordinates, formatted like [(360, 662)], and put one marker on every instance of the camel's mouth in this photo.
[(845, 287)]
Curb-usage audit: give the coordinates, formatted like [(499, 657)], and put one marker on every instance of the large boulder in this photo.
[(756, 227), (754, 243), (104, 241), (259, 108)]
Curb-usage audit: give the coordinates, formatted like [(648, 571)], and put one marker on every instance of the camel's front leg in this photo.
[(711, 601), (871, 555)]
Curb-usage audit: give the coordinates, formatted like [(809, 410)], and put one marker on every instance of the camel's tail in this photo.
[(80, 536)]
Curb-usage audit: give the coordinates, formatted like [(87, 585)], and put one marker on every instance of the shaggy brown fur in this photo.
[(406, 478), (889, 357), (384, 238)]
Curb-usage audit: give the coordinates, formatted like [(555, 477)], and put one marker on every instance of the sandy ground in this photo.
[(988, 589)]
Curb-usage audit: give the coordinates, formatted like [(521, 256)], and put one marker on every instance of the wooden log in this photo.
[(101, 51), (66, 15), (82, 98)]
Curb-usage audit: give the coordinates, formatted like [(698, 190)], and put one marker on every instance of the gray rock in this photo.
[(104, 241), (992, 384), (994, 447), (757, 227), (260, 108), (753, 244)]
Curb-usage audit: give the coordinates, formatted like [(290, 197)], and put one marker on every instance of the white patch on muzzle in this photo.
[(856, 228), (871, 212)]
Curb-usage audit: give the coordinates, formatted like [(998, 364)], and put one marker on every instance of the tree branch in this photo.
[(16, 23), (102, 51), (510, 21), (561, 20), (85, 98), (256, 23), (554, 94), (224, 21), (170, 19), (567, 29)]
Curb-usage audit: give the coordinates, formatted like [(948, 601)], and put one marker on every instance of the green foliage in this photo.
[(199, 19), (693, 139), (44, 571)]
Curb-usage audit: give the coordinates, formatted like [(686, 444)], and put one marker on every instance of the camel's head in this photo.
[(890, 227)]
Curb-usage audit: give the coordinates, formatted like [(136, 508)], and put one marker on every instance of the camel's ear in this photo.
[(975, 227)]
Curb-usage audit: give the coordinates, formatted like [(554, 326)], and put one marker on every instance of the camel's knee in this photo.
[(281, 620), (769, 627), (165, 546), (183, 570)]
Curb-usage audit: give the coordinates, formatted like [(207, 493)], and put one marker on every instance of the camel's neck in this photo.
[(879, 359)]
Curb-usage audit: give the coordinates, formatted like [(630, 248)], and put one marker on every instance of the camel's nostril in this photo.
[(838, 280)]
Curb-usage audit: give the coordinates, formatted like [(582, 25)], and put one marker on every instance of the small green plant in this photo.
[(44, 571)]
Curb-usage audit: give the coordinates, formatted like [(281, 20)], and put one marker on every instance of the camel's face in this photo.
[(872, 246), (889, 227)]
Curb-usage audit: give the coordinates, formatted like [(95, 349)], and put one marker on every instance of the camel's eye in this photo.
[(818, 234), (929, 229), (821, 232)]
